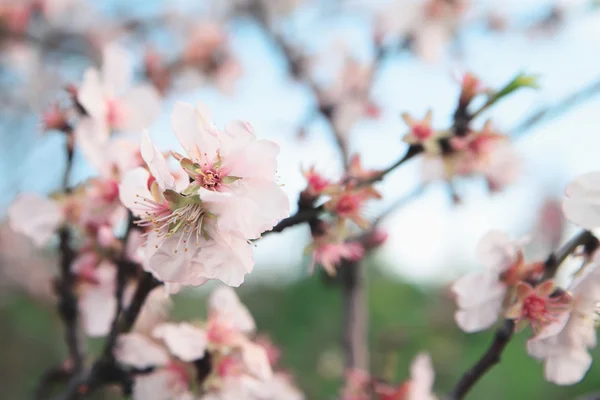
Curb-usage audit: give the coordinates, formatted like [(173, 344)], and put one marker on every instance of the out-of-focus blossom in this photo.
[(348, 98), (225, 305), (564, 345), (481, 295), (55, 118), (349, 204), (582, 203), (418, 387), (357, 173), (317, 184), (170, 383), (41, 225), (330, 254), (111, 103), (183, 340), (231, 196), (430, 25), (422, 133), (360, 386), (97, 302), (139, 351), (15, 16)]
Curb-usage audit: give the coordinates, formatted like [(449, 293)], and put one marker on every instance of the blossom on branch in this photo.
[(481, 296), (110, 103), (582, 203), (564, 345), (223, 194)]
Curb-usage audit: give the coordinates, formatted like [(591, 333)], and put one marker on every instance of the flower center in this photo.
[(422, 132), (209, 179), (347, 205), (534, 309)]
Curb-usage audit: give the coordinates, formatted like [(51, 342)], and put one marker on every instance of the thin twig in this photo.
[(300, 217), (559, 108)]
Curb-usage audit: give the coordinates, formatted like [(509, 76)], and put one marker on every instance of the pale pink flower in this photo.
[(97, 302), (564, 345), (111, 103), (233, 197), (330, 254), (36, 217), (480, 295), (184, 341), (155, 310), (582, 203), (170, 383), (422, 377), (234, 172), (136, 350), (225, 305)]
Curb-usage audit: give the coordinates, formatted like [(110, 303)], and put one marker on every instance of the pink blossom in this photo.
[(110, 103), (480, 295), (225, 305), (162, 384), (233, 197), (136, 350), (330, 255), (97, 302), (316, 183), (582, 203), (185, 341), (40, 225), (564, 345)]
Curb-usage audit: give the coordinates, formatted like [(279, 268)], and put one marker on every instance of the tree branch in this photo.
[(355, 315), (300, 217)]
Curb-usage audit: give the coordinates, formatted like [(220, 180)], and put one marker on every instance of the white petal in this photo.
[(133, 189), (40, 225), (138, 351), (254, 206), (156, 163), (479, 317), (421, 378), (183, 340), (568, 368), (117, 68), (141, 106), (98, 307), (256, 360), (91, 136), (195, 132), (225, 303), (478, 288), (164, 384), (497, 251), (91, 95), (226, 257)]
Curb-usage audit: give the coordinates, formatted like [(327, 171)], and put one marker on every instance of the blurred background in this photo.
[(46, 45)]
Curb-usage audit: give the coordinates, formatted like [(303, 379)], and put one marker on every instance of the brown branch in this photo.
[(505, 332), (300, 217), (355, 315), (485, 363)]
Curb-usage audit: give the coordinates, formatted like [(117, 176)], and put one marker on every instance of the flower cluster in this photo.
[(201, 215), (360, 386), (344, 201), (211, 360), (563, 319), (463, 151)]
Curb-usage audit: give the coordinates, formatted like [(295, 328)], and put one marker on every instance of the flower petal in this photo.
[(183, 340), (40, 225), (138, 351)]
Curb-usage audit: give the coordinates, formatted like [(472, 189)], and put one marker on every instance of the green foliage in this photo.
[(304, 319)]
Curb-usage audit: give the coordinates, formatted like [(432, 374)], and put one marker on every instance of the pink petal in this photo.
[(183, 340), (40, 225), (138, 351)]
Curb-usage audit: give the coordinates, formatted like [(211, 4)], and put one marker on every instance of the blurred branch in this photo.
[(485, 363), (505, 332), (355, 315), (67, 300), (561, 107)]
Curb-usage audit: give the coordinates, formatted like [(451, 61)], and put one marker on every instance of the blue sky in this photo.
[(430, 239)]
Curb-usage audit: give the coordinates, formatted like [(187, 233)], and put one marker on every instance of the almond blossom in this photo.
[(110, 102), (582, 203), (419, 387), (564, 345), (238, 365), (481, 296), (41, 225), (199, 226)]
